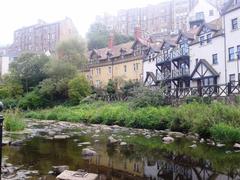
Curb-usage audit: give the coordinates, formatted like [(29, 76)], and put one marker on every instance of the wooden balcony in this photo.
[(180, 73)]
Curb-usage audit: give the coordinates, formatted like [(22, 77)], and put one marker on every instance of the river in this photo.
[(34, 152)]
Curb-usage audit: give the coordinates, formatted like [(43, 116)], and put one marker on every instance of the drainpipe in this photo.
[(225, 47)]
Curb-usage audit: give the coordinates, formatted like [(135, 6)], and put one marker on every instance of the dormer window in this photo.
[(209, 38), (201, 40)]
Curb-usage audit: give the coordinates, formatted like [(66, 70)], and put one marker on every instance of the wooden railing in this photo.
[(219, 90)]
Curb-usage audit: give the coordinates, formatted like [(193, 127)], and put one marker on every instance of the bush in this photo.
[(78, 88), (13, 122), (225, 133), (143, 97), (32, 100)]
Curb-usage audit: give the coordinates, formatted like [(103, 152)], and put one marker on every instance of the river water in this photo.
[(144, 157)]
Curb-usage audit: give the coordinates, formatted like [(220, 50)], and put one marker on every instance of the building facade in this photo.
[(203, 12), (204, 56), (4, 65), (42, 37), (166, 17)]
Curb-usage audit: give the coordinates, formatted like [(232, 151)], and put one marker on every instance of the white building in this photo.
[(203, 12), (231, 22), (208, 65), (4, 65)]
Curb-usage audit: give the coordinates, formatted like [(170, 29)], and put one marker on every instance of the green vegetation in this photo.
[(200, 118), (13, 121), (98, 36), (38, 81)]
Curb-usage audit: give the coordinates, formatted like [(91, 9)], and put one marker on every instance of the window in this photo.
[(231, 53), (231, 77), (234, 24), (98, 71), (109, 70), (238, 52), (209, 38), (196, 60), (202, 40), (125, 68), (211, 13), (134, 67), (215, 59)]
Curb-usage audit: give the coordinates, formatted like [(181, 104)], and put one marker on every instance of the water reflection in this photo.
[(131, 162)]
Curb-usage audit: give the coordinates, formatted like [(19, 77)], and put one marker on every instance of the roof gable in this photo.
[(203, 69)]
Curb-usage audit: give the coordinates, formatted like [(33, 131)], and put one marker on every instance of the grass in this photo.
[(204, 119), (13, 121)]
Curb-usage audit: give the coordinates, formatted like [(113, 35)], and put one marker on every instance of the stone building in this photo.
[(42, 37)]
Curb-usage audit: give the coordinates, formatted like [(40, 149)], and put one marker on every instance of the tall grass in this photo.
[(13, 121), (194, 117)]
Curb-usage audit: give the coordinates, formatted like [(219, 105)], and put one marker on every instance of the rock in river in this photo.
[(61, 136), (59, 169), (112, 141), (88, 152), (168, 139), (236, 146)]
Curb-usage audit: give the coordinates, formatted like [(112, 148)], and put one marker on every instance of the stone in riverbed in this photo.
[(176, 134), (75, 175), (220, 145), (112, 141), (123, 144), (84, 143), (88, 152), (236, 146), (59, 169), (193, 146), (61, 136), (168, 139)]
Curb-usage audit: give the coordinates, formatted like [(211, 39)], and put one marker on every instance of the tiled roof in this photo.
[(115, 51)]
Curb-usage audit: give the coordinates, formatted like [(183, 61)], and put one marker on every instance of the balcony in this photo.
[(178, 73), (179, 52), (162, 58), (174, 54), (163, 76)]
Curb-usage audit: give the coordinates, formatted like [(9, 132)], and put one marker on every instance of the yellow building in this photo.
[(122, 62)]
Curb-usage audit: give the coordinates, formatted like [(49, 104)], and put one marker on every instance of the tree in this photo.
[(78, 88), (57, 70), (28, 70), (111, 87), (98, 36), (73, 51)]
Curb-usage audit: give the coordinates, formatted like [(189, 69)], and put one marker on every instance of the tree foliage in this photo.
[(28, 70), (73, 51), (78, 88), (98, 36)]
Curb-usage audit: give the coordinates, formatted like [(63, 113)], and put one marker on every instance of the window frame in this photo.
[(231, 54), (238, 52), (234, 24), (215, 59), (201, 40)]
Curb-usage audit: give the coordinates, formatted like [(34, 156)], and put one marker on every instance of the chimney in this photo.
[(110, 41), (137, 32)]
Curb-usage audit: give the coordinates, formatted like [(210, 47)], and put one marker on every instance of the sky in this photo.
[(15, 14)]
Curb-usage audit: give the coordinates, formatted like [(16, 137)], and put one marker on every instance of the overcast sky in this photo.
[(15, 14)]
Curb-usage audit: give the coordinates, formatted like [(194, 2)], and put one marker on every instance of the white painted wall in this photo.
[(4, 65), (149, 66), (205, 52), (205, 7), (232, 40)]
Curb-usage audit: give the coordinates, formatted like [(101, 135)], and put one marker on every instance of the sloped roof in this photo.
[(229, 6), (152, 76), (207, 65), (115, 51)]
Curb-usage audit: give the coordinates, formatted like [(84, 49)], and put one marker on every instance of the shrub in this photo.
[(13, 122), (32, 100), (78, 88), (143, 97), (225, 133)]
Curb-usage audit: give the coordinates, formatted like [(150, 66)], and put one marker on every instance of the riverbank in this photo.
[(218, 121), (46, 144)]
